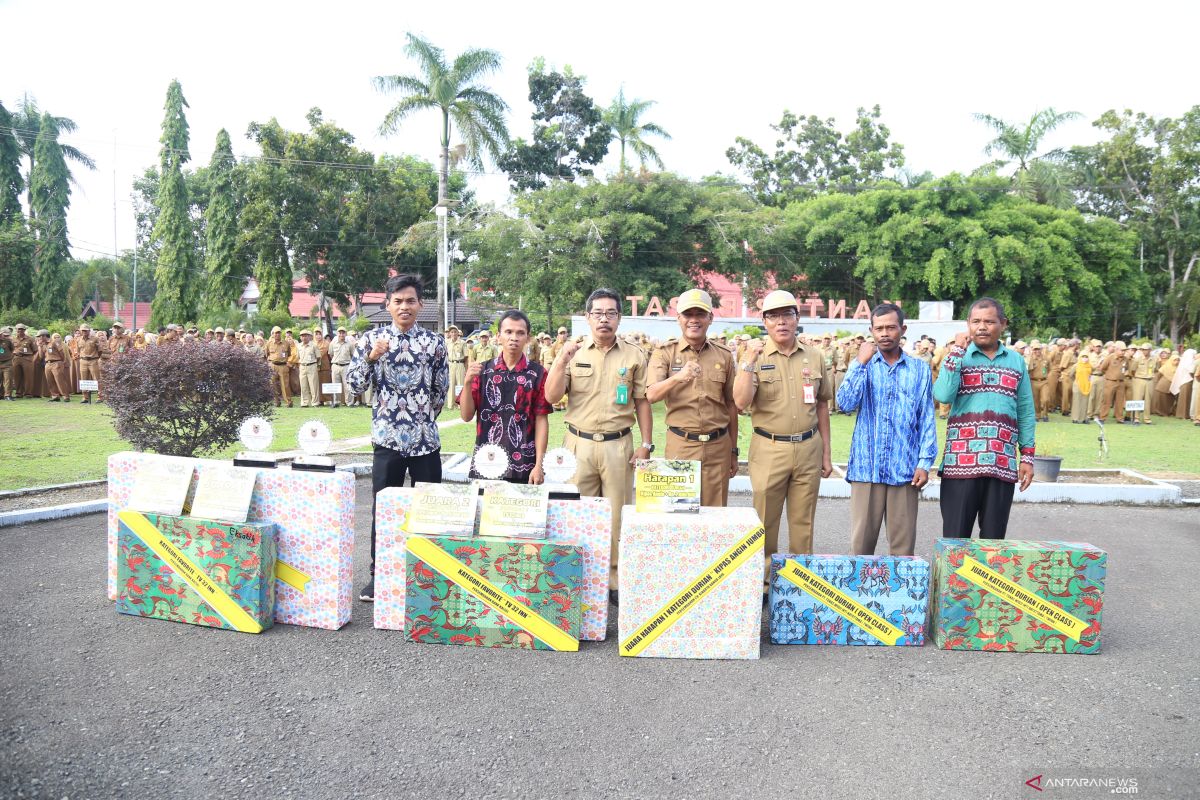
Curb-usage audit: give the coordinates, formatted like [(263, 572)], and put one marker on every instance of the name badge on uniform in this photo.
[(765, 367), (622, 388), (810, 393)]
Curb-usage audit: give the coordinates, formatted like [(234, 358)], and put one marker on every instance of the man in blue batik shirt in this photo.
[(895, 436), (406, 366)]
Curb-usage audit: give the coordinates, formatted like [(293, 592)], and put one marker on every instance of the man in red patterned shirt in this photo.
[(508, 392)]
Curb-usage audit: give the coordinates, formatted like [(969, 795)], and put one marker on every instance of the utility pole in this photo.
[(116, 252), (135, 247)]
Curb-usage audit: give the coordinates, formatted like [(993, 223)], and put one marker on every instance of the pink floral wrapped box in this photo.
[(586, 522), (313, 513), (664, 557)]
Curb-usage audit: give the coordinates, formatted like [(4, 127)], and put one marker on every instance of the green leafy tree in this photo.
[(262, 218), (102, 278), (176, 298), (811, 156), (569, 133), (16, 241), (51, 191), (452, 89), (11, 182), (27, 124), (224, 262), (1038, 176), (624, 118), (959, 239), (1146, 175)]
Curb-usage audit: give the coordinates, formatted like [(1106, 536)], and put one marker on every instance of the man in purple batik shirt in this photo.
[(508, 392)]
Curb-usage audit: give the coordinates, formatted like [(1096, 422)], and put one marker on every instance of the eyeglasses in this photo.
[(775, 316), (604, 314)]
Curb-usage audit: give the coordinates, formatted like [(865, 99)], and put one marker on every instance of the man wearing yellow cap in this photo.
[(1113, 369), (90, 355), (695, 376), (279, 350), (787, 390), (308, 359)]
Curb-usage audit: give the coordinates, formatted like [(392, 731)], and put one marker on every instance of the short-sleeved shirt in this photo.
[(779, 406), (340, 353), (592, 378), (278, 352), (701, 406), (308, 354), (508, 403)]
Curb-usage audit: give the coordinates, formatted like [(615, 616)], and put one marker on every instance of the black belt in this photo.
[(340, 363), (598, 437), (308, 364), (279, 363), (699, 437), (796, 437), (457, 360), (88, 358)]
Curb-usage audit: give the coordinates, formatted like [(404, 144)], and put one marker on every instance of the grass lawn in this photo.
[(47, 443)]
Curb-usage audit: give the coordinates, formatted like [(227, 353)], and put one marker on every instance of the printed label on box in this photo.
[(667, 485)]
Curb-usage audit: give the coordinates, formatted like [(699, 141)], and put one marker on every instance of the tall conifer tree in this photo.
[(51, 192), (175, 300), (223, 265)]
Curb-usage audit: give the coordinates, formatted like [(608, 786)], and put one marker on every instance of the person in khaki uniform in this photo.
[(58, 370), (1112, 368), (24, 350), (841, 363), (485, 350), (604, 380), (324, 367), (341, 350), (1053, 378), (120, 342), (293, 362), (1096, 396), (787, 390), (1142, 367), (1039, 373), (6, 359), (90, 355), (279, 350), (1066, 382), (308, 361), (695, 377), (456, 354)]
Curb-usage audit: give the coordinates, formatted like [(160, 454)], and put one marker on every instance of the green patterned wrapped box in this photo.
[(1017, 596), (198, 571), (493, 593)]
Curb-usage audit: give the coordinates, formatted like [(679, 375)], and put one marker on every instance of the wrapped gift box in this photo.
[(585, 522), (313, 514), (851, 600), (662, 555), (196, 571), (1017, 596), (543, 576)]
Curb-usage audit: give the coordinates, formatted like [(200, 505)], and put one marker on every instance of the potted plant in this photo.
[(1047, 457)]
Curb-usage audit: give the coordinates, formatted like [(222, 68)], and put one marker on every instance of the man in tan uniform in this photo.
[(787, 390), (341, 350), (1066, 363), (58, 369), (841, 363), (1143, 368), (604, 380), (90, 355), (279, 350), (1112, 367), (456, 355), (485, 350), (1053, 376), (293, 363), (120, 342), (324, 367), (308, 360), (24, 350), (6, 359), (1096, 353), (695, 377), (1039, 373)]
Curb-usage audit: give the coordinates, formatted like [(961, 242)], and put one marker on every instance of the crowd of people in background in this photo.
[(1085, 379)]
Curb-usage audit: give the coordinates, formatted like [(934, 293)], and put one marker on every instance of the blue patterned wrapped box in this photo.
[(849, 599)]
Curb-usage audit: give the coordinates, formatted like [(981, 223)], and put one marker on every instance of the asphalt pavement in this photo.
[(94, 704)]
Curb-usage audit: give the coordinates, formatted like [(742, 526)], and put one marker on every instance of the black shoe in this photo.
[(367, 595), (614, 597), (85, 402)]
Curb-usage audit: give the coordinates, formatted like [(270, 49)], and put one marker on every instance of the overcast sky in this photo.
[(716, 70)]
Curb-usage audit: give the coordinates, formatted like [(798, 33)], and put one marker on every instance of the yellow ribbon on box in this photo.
[(291, 576), (695, 591), (184, 567), (1045, 611), (468, 579), (850, 609)]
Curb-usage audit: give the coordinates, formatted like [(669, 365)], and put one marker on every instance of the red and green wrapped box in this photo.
[(198, 571), (493, 593), (1018, 596)]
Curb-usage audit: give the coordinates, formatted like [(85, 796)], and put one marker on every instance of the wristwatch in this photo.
[(747, 368), (649, 446)]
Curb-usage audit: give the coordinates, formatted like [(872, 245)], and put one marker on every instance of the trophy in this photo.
[(314, 438), (255, 435), (491, 462), (559, 465)]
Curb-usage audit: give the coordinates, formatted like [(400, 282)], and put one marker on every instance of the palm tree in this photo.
[(452, 89), (624, 118), (27, 124), (1038, 177)]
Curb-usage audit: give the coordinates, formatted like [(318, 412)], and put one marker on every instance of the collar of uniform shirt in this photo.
[(770, 347)]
